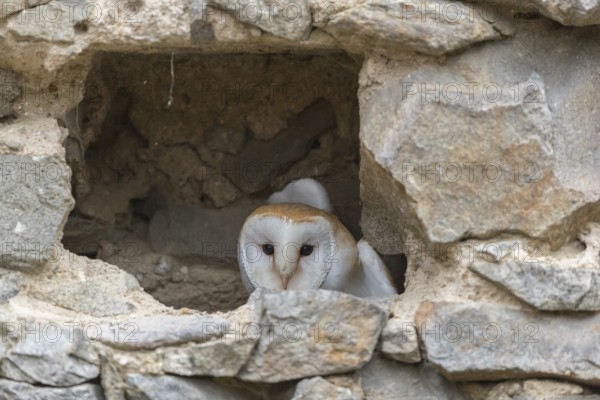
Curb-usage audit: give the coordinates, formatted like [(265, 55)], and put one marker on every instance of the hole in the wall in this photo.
[(162, 188)]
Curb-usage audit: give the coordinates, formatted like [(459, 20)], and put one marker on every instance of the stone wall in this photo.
[(462, 137)]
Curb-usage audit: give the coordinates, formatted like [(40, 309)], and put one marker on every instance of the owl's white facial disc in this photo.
[(288, 266)]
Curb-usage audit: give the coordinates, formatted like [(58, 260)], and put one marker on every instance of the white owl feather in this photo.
[(295, 243)]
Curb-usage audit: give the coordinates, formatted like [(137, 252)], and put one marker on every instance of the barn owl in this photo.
[(294, 242)]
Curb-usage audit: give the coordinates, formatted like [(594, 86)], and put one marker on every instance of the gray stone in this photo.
[(167, 387), (395, 27), (35, 204), (51, 353), (290, 19), (53, 22), (319, 388), (309, 333), (10, 285), (480, 342), (290, 145), (161, 330), (399, 341), (220, 190), (88, 297), (9, 88), (389, 380), (8, 7), (210, 234), (25, 391), (546, 286), (510, 146), (223, 357)]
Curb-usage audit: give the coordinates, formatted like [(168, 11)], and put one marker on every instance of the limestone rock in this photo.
[(395, 27), (9, 87), (160, 330), (399, 341), (546, 286), (477, 342), (167, 387), (389, 380), (223, 357), (35, 204), (51, 354), (503, 138), (337, 332), (290, 19), (25, 391), (319, 388)]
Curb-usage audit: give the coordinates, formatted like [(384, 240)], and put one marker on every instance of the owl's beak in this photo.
[(284, 281)]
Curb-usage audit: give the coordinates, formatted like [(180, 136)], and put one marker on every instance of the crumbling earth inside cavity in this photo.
[(166, 170)]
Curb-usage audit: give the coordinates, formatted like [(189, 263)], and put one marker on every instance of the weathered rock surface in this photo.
[(510, 146), (222, 358), (389, 380), (87, 286), (337, 332), (546, 286), (475, 342), (50, 354), (290, 19), (25, 391), (35, 205), (319, 388), (167, 387), (162, 330), (394, 28), (399, 341)]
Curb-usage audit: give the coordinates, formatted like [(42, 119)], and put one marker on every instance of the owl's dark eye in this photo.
[(268, 249), (306, 250)]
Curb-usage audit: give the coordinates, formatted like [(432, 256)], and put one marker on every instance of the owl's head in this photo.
[(289, 246)]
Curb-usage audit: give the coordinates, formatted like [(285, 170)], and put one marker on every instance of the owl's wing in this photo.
[(304, 191), (373, 277)]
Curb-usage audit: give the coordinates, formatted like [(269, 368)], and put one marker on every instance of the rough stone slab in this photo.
[(480, 342), (50, 354), (9, 87), (290, 19), (167, 387), (289, 146), (34, 206), (546, 286), (510, 146), (25, 391), (337, 332), (395, 27), (222, 357), (53, 22), (319, 388), (161, 330), (389, 380), (399, 341)]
